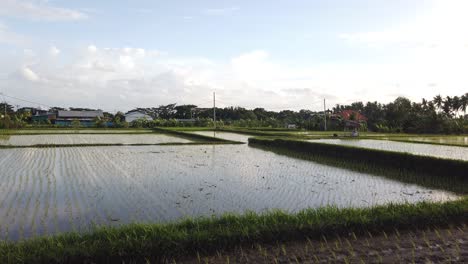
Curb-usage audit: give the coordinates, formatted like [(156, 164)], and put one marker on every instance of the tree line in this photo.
[(437, 115)]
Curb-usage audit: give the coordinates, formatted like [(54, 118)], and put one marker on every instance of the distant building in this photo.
[(352, 120), (135, 115), (352, 115), (34, 111), (86, 118), (44, 118)]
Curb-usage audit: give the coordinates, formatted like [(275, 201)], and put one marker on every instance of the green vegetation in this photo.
[(438, 116), (423, 170), (164, 241)]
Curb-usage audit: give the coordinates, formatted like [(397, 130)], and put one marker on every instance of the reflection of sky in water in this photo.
[(60, 189), (225, 135), (26, 140), (450, 152), (444, 140)]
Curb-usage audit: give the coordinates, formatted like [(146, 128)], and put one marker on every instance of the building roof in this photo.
[(346, 115), (132, 112), (80, 114)]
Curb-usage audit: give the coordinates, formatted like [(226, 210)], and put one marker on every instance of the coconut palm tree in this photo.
[(456, 105), (438, 101), (464, 103), (424, 104), (447, 106)]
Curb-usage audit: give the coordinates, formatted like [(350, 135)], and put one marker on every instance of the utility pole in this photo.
[(324, 114), (214, 109)]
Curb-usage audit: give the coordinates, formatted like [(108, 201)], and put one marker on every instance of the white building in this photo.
[(134, 115)]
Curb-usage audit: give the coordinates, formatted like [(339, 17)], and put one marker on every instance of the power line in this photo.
[(23, 100)]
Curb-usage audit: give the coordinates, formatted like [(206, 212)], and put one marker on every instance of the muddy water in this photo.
[(45, 191), (440, 151)]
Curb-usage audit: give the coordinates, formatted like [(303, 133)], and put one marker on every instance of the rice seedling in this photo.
[(421, 170), (192, 235)]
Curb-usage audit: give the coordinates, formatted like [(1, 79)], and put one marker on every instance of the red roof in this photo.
[(346, 115)]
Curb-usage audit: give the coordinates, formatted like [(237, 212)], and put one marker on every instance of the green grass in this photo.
[(426, 171), (138, 242)]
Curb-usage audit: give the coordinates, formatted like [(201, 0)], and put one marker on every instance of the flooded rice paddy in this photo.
[(29, 140), (449, 140), (76, 131), (439, 151), (48, 190), (225, 135)]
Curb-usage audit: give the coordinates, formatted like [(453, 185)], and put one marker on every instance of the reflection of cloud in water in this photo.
[(440, 151), (27, 140), (112, 186)]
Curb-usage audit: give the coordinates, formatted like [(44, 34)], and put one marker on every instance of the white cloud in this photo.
[(54, 51), (443, 26), (28, 74), (219, 11), (9, 37), (38, 10), (123, 78), (92, 48)]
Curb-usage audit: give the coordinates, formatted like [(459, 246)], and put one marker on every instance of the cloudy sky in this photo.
[(282, 54)]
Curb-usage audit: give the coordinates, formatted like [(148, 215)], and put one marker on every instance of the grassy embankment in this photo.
[(427, 171), (165, 241)]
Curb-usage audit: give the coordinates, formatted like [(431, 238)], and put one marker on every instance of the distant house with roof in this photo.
[(351, 120), (32, 110), (86, 118), (352, 115), (133, 115)]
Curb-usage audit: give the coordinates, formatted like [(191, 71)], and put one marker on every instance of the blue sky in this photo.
[(274, 54)]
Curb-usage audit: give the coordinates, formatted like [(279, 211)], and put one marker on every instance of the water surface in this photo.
[(29, 140), (45, 191), (225, 135), (439, 151)]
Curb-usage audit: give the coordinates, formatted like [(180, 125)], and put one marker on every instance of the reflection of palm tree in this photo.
[(438, 101)]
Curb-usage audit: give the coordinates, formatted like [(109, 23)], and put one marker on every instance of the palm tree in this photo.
[(456, 106), (430, 106), (438, 101), (464, 103), (424, 104), (447, 106)]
